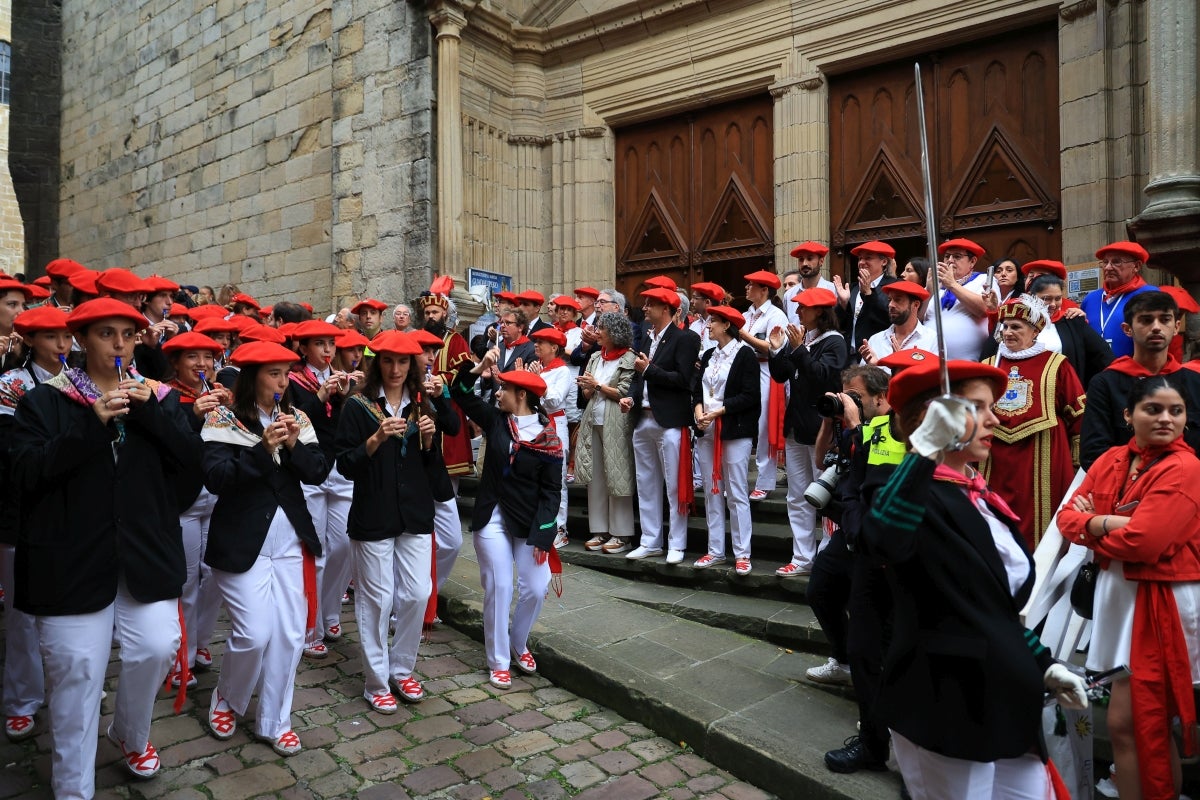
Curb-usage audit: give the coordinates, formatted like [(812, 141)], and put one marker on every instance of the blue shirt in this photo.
[(1106, 318)]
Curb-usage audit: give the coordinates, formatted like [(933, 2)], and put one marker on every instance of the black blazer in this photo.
[(670, 375), (527, 488), (537, 324), (962, 676), (250, 486), (325, 424), (813, 371), (88, 521), (742, 396), (392, 491), (871, 320)]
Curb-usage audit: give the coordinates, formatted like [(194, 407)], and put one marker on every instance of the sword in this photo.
[(931, 234)]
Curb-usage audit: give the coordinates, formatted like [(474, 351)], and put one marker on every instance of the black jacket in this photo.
[(1104, 418), (871, 319), (88, 521), (742, 398), (813, 371), (1085, 349), (962, 676), (392, 491), (508, 357), (527, 488), (670, 376), (325, 423), (250, 486)]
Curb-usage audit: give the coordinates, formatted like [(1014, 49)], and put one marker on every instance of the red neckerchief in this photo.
[(546, 442), (1151, 454), (1057, 315), (304, 377), (613, 355), (565, 326), (517, 343), (554, 363), (977, 489), (1136, 282), (186, 393), (1127, 366)]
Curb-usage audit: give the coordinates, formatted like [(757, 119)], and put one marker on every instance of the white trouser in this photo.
[(497, 552), (560, 428), (75, 649), (329, 506), (267, 610), (24, 682), (930, 776), (201, 600), (391, 579), (735, 492), (447, 531), (801, 471), (656, 458), (766, 479), (607, 513)]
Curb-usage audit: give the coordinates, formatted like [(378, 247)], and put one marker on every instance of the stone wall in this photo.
[(12, 233)]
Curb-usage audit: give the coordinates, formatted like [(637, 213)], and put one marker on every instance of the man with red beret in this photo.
[(704, 295), (587, 296), (1121, 265), (530, 303), (964, 313), (810, 259), (862, 308), (906, 330), (370, 315)]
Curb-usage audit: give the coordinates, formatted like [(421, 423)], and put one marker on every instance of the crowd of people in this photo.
[(173, 451)]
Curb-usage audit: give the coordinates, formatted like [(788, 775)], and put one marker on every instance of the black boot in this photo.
[(853, 756)]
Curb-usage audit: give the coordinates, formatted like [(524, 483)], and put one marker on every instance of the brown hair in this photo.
[(908, 419)]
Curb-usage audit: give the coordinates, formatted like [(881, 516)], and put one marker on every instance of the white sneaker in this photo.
[(644, 552), (561, 540), (832, 672), (674, 556)]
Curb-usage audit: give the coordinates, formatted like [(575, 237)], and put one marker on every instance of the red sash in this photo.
[(776, 406)]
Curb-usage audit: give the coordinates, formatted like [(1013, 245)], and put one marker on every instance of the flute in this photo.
[(275, 412)]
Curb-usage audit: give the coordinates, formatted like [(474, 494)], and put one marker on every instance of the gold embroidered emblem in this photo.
[(1018, 397)]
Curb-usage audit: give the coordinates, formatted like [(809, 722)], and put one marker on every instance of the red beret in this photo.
[(427, 339), (244, 322), (38, 292), (63, 268), (262, 353), (551, 334), (1045, 266), (660, 282), (530, 296), (42, 281), (907, 287), (191, 341), (369, 302), (729, 314), (103, 308), (1132, 249), (713, 291), (876, 247), (562, 301), (351, 338), (1185, 301), (209, 311), (765, 278), (522, 379), (120, 281), (961, 244), (306, 306), (396, 343), (211, 325), (917, 380), (42, 318), (507, 297), (261, 333), (588, 291), (902, 359), (809, 247), (245, 300), (287, 328), (265, 311), (314, 329), (816, 298), (84, 280), (177, 310), (157, 283), (666, 296)]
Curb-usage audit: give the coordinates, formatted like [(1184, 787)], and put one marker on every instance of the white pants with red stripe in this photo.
[(391, 579), (75, 650), (767, 476), (329, 506), (656, 459), (802, 470), (267, 610), (447, 532), (930, 776), (24, 681), (734, 492), (607, 513), (498, 552), (201, 600)]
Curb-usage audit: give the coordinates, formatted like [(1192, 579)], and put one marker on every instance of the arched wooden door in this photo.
[(992, 110), (694, 196)]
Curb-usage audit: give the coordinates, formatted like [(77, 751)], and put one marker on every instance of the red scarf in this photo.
[(305, 379), (554, 363), (565, 326), (1127, 366), (517, 343), (1055, 317), (613, 355), (718, 453), (187, 394), (977, 489), (687, 491), (546, 442), (1128, 286)]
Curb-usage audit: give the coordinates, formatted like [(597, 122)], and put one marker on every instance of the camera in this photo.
[(831, 406), (820, 492)]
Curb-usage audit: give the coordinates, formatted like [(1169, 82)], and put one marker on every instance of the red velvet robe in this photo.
[(456, 450)]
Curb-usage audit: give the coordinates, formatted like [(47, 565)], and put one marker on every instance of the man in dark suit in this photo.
[(661, 402), (862, 308), (513, 345), (530, 303)]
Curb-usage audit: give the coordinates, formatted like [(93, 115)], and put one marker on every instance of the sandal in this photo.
[(383, 702)]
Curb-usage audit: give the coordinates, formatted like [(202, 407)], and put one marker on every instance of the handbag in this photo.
[(1083, 590)]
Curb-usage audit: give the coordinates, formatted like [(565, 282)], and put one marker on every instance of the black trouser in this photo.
[(829, 592)]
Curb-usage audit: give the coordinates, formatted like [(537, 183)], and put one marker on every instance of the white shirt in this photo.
[(699, 327), (604, 372), (963, 333), (761, 321), (559, 385), (716, 374), (655, 340), (922, 336), (528, 426), (1049, 337), (394, 411)]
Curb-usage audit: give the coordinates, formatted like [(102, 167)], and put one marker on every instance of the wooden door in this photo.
[(992, 111), (694, 196)]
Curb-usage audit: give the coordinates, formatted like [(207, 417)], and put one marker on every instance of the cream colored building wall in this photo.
[(12, 231), (203, 151)]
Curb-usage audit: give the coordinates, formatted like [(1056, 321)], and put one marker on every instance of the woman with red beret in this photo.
[(98, 453), (262, 544)]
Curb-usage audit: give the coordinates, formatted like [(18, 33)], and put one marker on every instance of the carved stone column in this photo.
[(449, 20), (801, 135)]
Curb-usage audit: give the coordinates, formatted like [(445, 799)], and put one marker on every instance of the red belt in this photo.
[(561, 413)]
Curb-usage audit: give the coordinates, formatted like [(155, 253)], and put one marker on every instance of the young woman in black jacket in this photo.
[(385, 447), (727, 401), (262, 546), (516, 509)]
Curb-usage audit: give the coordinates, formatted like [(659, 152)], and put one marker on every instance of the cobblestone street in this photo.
[(465, 740)]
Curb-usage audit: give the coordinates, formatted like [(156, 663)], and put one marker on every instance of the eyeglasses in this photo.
[(1112, 262), (603, 302), (957, 256), (511, 322)]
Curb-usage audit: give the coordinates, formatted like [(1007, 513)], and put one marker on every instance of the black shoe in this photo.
[(852, 757)]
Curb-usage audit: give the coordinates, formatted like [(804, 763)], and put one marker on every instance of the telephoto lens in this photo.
[(820, 492), (830, 406)]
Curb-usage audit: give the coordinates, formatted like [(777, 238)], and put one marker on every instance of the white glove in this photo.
[(945, 423), (1069, 688)]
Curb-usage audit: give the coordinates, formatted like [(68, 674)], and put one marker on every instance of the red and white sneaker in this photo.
[(316, 650), (525, 663), (175, 679), (286, 745), (410, 689), (383, 702), (142, 763), (333, 633), (793, 571), (742, 566), (501, 679), (221, 719), (708, 560), (757, 495), (203, 657), (19, 727)]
